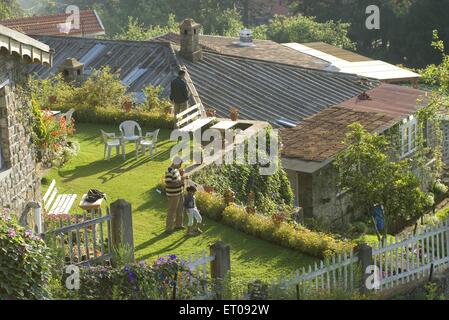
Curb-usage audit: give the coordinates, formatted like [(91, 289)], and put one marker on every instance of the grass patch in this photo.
[(136, 182)]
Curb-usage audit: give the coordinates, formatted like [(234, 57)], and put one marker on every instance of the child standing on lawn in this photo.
[(192, 211)]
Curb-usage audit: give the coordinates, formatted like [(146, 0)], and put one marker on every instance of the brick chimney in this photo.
[(190, 43)]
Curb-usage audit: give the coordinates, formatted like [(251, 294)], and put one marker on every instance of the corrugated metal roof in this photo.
[(139, 63), (269, 91), (266, 50), (262, 90)]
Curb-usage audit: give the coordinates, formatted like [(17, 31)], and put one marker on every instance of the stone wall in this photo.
[(318, 196), (19, 183)]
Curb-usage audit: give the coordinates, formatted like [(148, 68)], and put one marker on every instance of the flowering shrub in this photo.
[(166, 279), (25, 261), (275, 229)]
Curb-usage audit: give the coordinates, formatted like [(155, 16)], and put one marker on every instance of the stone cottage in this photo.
[(19, 182), (310, 148)]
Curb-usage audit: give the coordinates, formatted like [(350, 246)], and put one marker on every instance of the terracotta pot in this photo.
[(127, 105), (209, 189), (168, 110), (234, 116), (52, 99), (211, 113), (250, 210)]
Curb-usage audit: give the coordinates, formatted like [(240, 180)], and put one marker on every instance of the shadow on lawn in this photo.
[(165, 250), (112, 168)]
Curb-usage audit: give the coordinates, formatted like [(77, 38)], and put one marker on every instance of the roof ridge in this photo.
[(45, 16), (101, 39), (338, 74)]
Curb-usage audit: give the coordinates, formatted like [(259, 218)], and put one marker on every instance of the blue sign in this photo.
[(378, 213)]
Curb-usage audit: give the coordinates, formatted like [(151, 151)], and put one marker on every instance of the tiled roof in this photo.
[(269, 91), (90, 24), (263, 50), (320, 137)]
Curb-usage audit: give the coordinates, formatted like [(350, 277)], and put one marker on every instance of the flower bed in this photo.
[(162, 280), (25, 262), (296, 237)]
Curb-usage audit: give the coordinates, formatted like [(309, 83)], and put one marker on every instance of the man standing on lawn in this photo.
[(174, 188), (179, 94)]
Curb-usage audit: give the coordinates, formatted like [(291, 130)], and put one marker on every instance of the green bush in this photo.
[(271, 192), (210, 205), (115, 116), (99, 99), (25, 262), (316, 244), (133, 282)]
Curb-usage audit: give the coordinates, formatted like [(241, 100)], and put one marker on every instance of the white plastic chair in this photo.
[(68, 116), (128, 130), (149, 142), (111, 141)]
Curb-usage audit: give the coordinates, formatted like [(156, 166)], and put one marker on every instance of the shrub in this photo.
[(306, 241), (210, 205), (25, 262), (115, 116), (271, 192), (134, 282), (440, 188)]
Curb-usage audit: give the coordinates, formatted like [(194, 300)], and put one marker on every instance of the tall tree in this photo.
[(9, 9)]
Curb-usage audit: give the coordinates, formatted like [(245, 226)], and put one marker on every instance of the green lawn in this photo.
[(136, 181)]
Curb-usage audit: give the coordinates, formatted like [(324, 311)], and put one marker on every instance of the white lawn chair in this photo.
[(68, 116), (110, 141), (149, 142), (128, 130)]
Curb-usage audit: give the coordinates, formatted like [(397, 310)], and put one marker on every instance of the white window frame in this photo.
[(409, 135)]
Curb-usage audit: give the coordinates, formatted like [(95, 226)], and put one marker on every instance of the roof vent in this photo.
[(246, 38)]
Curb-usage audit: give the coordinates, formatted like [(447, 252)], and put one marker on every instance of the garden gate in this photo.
[(90, 238)]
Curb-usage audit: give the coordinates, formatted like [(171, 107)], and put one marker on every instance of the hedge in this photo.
[(309, 242), (116, 116)]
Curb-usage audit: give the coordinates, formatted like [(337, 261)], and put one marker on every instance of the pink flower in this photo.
[(28, 233), (12, 232)]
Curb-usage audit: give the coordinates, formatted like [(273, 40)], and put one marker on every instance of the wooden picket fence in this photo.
[(397, 262), (83, 239), (339, 272), (413, 257), (199, 278)]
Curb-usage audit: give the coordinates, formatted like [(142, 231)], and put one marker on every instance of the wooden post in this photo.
[(221, 265), (122, 226), (365, 254)]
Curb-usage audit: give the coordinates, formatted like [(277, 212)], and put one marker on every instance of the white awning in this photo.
[(25, 46)]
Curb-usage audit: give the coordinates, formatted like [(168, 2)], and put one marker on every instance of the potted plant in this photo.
[(234, 114), (251, 209), (127, 104), (168, 110), (229, 197), (209, 189), (211, 113)]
